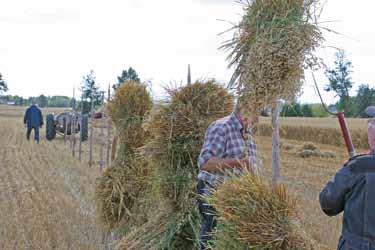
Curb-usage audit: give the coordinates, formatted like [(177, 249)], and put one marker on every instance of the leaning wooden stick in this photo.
[(343, 125)]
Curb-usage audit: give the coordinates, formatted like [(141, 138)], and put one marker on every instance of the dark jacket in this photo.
[(352, 190), (33, 117)]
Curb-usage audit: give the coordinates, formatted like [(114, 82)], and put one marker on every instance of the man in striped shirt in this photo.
[(228, 150)]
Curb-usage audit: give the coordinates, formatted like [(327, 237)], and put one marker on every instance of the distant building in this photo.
[(11, 103)]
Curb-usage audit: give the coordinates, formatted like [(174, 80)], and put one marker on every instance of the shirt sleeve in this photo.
[(332, 197), (214, 145)]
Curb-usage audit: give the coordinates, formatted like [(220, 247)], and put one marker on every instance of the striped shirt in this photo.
[(224, 139)]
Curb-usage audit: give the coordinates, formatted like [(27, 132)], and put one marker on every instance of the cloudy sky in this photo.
[(46, 46)]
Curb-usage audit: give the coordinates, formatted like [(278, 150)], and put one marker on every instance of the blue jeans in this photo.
[(208, 216), (36, 133)]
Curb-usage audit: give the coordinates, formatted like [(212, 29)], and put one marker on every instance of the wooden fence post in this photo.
[(71, 129), (74, 132), (91, 128), (276, 143), (101, 136), (74, 123), (65, 128), (108, 128), (80, 132)]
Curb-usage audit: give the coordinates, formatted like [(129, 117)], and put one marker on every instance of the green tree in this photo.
[(364, 98), (291, 110), (43, 101), (90, 92), (32, 99), (127, 75), (340, 81), (306, 110), (3, 85), (59, 101), (318, 110)]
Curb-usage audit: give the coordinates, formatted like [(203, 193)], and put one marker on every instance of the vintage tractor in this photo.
[(63, 124)]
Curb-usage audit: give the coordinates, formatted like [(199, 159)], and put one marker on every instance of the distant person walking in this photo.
[(33, 119)]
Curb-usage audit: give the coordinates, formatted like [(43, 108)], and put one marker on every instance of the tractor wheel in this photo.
[(50, 128), (84, 128)]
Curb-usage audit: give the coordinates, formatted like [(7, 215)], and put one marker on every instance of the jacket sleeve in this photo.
[(332, 197), (41, 118), (25, 117)]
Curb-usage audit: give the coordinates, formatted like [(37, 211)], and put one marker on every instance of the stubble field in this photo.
[(46, 195)]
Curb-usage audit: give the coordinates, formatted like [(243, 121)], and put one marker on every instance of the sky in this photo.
[(46, 46)]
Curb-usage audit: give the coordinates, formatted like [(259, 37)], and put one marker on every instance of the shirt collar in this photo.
[(236, 121)]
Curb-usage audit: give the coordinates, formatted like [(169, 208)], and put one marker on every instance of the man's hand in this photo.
[(218, 165), (244, 163)]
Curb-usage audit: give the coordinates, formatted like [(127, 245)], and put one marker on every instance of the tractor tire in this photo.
[(50, 128), (84, 128)]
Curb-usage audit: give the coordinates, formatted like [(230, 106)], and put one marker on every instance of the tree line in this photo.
[(90, 92), (353, 106), (339, 77), (42, 100)]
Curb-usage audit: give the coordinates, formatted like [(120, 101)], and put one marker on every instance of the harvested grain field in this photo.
[(45, 194), (318, 130)]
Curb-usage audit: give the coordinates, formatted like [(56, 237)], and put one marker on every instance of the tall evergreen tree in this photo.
[(127, 75), (339, 79), (90, 92)]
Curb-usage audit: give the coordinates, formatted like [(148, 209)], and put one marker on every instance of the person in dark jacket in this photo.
[(33, 120), (352, 191)]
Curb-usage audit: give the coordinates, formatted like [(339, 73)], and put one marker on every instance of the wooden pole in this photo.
[(276, 144), (108, 128), (71, 130), (71, 123), (80, 138), (346, 134), (91, 127), (74, 124), (65, 128), (189, 76), (74, 132), (101, 163)]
